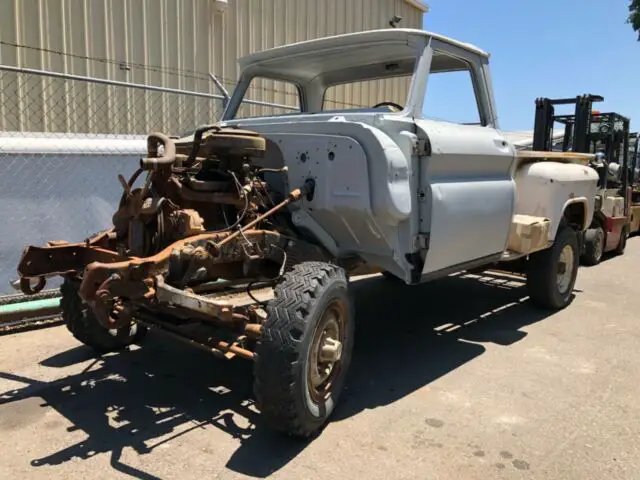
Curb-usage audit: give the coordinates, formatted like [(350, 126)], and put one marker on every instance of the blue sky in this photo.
[(548, 48)]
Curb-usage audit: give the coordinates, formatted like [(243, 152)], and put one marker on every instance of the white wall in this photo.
[(58, 189)]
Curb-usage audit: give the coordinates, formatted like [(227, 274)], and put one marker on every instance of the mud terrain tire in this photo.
[(84, 326), (311, 307)]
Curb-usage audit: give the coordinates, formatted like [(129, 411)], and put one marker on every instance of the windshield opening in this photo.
[(385, 94), (266, 97)]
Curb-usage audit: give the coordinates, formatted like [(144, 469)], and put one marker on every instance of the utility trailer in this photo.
[(286, 208), (607, 136)]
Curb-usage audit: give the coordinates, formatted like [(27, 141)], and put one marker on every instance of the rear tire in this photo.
[(622, 244), (552, 273), (594, 241), (86, 328), (296, 387)]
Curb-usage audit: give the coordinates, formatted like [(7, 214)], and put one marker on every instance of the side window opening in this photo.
[(451, 97)]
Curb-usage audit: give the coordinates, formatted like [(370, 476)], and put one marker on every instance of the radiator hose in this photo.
[(153, 162)]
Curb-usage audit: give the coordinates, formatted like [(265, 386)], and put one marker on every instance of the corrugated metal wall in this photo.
[(172, 43)]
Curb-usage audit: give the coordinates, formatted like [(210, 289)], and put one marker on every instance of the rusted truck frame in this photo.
[(119, 286)]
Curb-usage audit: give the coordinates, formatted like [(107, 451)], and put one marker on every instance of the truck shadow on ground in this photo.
[(606, 257), (148, 397)]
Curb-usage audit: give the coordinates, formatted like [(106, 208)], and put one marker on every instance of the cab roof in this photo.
[(394, 48)]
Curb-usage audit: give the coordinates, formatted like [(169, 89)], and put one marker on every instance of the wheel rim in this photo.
[(565, 269), (325, 355)]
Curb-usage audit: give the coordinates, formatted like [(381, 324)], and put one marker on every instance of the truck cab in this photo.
[(416, 196)]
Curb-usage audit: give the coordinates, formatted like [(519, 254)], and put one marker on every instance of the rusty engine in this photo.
[(203, 213)]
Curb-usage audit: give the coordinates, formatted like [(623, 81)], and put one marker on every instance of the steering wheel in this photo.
[(398, 108)]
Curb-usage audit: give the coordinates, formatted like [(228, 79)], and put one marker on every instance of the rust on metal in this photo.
[(202, 214), (187, 193), (209, 346), (153, 161), (253, 330), (29, 289), (293, 196), (190, 301), (139, 268), (62, 259)]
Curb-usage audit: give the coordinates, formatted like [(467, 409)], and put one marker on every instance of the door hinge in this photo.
[(422, 241), (423, 148)]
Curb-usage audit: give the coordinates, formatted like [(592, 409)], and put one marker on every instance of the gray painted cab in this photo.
[(417, 197)]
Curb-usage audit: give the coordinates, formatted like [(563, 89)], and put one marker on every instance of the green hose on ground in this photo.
[(29, 308)]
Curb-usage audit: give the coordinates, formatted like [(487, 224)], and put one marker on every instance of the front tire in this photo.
[(305, 350), (86, 328), (594, 241), (552, 273)]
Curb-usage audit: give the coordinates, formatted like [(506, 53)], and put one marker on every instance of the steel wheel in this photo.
[(552, 272), (304, 352), (565, 269), (326, 351)]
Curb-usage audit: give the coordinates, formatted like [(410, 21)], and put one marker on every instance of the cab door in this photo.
[(467, 194)]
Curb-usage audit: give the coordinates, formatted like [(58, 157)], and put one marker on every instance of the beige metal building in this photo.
[(167, 43)]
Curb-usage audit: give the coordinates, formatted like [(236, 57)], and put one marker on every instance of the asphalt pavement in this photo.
[(457, 379)]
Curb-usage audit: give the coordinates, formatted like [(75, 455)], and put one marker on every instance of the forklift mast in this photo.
[(587, 131), (577, 126), (634, 161), (610, 133)]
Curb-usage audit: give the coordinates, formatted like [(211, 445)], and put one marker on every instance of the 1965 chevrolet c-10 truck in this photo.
[(292, 204)]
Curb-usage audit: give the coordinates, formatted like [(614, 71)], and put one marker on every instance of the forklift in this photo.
[(634, 181), (607, 136)]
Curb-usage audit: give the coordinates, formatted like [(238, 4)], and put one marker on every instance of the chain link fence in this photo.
[(65, 138), (51, 102)]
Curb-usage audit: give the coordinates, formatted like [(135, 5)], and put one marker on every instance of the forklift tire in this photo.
[(86, 328), (594, 241), (622, 244), (304, 352), (552, 273)]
